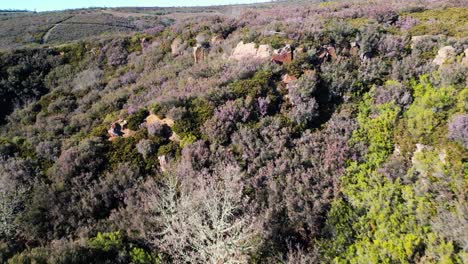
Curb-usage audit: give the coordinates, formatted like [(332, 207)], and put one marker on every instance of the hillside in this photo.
[(288, 132)]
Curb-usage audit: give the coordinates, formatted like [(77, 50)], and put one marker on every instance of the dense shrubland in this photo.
[(362, 159)]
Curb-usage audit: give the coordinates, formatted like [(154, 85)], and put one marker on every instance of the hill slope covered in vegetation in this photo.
[(299, 132)]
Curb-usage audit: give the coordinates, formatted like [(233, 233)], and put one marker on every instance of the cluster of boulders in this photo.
[(201, 48), (448, 54), (251, 50), (117, 129)]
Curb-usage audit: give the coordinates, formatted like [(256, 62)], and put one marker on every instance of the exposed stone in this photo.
[(332, 52), (283, 55), (144, 43), (243, 51), (287, 78), (115, 130), (464, 61), (119, 129), (327, 52), (322, 53), (354, 50), (199, 53), (152, 118), (299, 51), (264, 52), (177, 47), (249, 50), (445, 54), (202, 39), (217, 40), (163, 163)]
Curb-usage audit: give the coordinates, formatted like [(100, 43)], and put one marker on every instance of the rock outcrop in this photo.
[(177, 47), (264, 51), (119, 129), (283, 55), (163, 163), (202, 39), (465, 58), (444, 55), (199, 53), (249, 50), (327, 52), (287, 78), (216, 40), (152, 118)]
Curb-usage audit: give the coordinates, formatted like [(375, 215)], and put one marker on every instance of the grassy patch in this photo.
[(450, 22)]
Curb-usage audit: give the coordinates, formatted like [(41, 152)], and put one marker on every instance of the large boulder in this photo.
[(202, 39), (288, 78), (264, 52), (249, 50), (217, 40), (444, 55), (283, 55), (199, 53), (465, 58), (177, 47)]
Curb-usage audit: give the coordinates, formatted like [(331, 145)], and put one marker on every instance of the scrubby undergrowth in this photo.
[(358, 156)]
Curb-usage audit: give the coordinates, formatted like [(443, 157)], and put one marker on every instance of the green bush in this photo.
[(450, 22), (135, 119), (430, 108), (106, 241), (172, 149), (187, 139), (384, 220), (140, 256), (258, 85), (202, 110)]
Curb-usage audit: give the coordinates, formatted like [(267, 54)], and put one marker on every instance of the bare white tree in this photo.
[(203, 219)]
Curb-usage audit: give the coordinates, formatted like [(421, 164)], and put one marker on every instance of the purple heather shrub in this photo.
[(391, 47), (241, 70), (49, 150), (395, 168), (262, 105), (458, 129), (196, 156), (406, 23), (393, 92), (158, 129), (116, 53), (79, 162), (233, 111), (223, 123), (128, 78), (154, 30), (410, 67), (145, 147), (301, 95)]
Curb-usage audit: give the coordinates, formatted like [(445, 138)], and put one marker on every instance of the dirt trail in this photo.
[(126, 14), (64, 22), (49, 31)]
